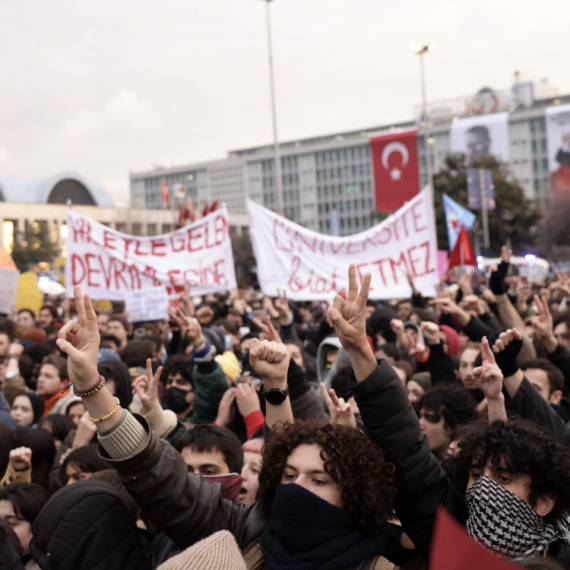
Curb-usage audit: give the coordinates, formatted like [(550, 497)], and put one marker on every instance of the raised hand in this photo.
[(488, 376), (507, 348), (86, 429), (271, 361), (225, 407), (247, 399), (399, 330), (21, 458), (348, 317), (340, 411), (80, 341), (268, 330), (543, 324), (189, 326), (146, 386), (506, 254), (431, 332), (282, 306), (446, 305)]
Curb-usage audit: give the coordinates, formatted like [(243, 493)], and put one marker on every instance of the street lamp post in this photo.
[(424, 123), (274, 114)]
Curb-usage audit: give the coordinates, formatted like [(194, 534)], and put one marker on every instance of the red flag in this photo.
[(453, 549), (462, 253), (396, 170), (206, 209), (165, 192), (214, 206)]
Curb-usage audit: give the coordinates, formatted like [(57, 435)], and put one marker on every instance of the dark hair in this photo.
[(521, 447), (87, 458), (60, 363), (451, 402), (59, 425), (7, 443), (119, 319), (353, 461), (537, 563), (52, 310), (136, 353), (425, 315), (117, 371), (555, 377), (40, 441), (28, 499), (108, 339), (32, 314), (178, 364), (340, 381), (202, 438)]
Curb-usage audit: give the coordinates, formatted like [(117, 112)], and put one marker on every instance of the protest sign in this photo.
[(9, 279), (147, 304), (313, 266), (29, 295), (108, 264)]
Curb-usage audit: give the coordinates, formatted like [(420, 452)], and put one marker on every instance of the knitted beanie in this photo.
[(219, 551)]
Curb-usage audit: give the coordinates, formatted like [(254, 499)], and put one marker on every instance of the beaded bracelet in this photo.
[(107, 416), (97, 387)]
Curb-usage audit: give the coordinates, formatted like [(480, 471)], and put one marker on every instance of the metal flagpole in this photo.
[(274, 113), (484, 213)]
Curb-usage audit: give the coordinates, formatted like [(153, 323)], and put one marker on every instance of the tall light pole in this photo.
[(274, 113), (424, 123)]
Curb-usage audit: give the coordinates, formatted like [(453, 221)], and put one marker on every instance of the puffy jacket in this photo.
[(86, 525), (422, 484)]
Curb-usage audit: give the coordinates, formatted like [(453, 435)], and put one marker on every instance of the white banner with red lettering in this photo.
[(312, 266), (108, 264)]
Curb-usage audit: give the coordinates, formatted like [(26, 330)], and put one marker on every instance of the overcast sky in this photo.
[(101, 88)]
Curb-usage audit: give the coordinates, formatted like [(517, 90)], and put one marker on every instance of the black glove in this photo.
[(497, 280), (507, 359)]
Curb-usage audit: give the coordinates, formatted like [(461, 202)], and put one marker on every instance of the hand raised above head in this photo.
[(348, 317), (80, 341), (270, 360), (146, 386), (488, 376)]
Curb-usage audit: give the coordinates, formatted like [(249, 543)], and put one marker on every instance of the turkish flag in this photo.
[(396, 170), (165, 193), (462, 253)]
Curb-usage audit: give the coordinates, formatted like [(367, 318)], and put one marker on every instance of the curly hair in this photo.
[(522, 447), (353, 461)]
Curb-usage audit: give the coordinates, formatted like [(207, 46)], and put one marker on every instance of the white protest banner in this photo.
[(313, 266), (9, 280), (108, 264), (147, 304)]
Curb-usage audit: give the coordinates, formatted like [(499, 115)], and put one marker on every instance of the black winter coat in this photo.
[(86, 525)]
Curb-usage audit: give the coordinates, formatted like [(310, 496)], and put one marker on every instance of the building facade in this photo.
[(336, 170)]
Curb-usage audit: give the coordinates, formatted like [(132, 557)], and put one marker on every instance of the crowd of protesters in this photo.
[(250, 432)]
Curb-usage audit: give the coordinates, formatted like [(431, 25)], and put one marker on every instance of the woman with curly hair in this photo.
[(326, 491)]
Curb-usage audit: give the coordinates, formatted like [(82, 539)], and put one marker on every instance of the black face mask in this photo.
[(175, 399)]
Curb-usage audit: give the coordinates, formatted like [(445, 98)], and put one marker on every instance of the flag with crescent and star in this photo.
[(456, 216), (396, 170)]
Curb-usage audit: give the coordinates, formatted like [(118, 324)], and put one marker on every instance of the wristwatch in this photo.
[(275, 396)]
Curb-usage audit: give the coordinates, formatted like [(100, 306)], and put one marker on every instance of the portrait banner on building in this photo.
[(481, 135), (396, 170), (558, 144), (312, 266), (108, 264)]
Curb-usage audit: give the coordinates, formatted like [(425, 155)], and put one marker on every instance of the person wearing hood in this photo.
[(27, 409), (87, 525)]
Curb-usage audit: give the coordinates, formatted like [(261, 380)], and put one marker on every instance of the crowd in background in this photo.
[(173, 443)]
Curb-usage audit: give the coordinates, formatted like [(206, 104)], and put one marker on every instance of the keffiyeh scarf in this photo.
[(503, 522)]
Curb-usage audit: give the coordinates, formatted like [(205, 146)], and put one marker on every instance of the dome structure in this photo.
[(55, 190)]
